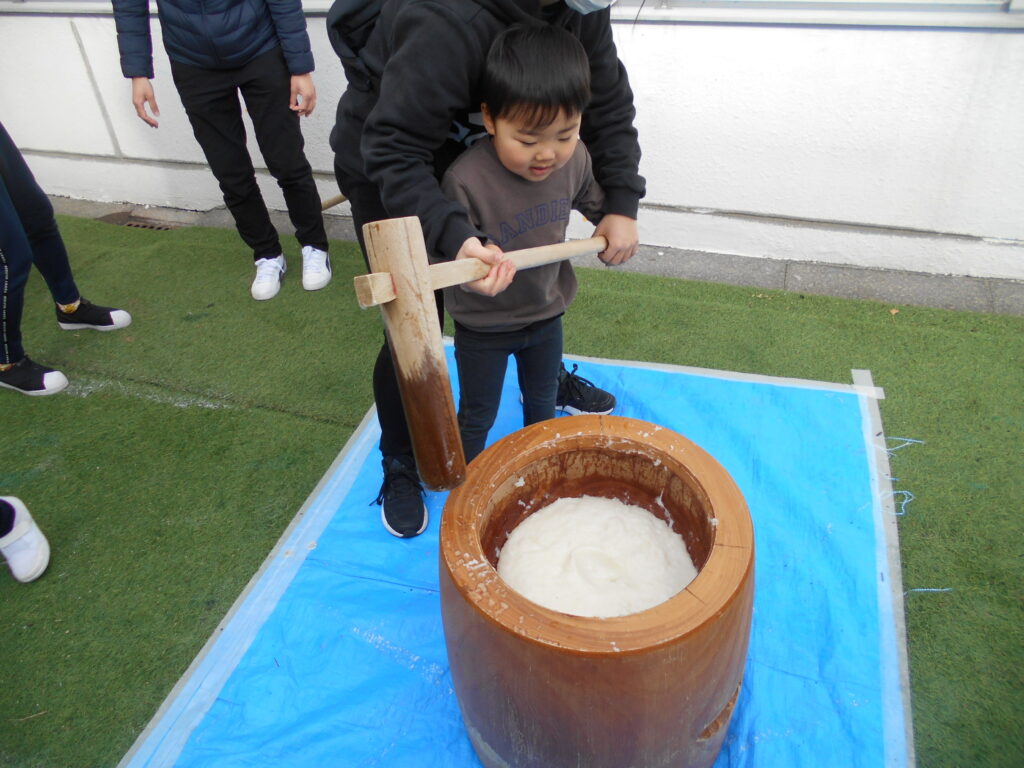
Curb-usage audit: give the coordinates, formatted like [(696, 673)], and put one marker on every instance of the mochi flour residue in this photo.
[(595, 557)]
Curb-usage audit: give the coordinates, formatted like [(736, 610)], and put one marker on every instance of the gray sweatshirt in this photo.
[(515, 214)]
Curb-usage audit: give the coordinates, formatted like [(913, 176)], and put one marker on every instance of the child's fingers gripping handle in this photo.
[(378, 288), (459, 271)]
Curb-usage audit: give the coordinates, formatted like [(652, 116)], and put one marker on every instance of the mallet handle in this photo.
[(378, 288), (332, 201)]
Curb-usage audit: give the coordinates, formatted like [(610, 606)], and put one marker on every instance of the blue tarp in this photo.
[(335, 655)]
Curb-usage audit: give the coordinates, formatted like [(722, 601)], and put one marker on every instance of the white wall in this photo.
[(900, 148)]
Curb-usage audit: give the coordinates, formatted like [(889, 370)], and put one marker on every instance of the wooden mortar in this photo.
[(543, 689)]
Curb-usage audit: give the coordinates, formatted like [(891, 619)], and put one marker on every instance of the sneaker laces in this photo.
[(267, 271), (314, 260), (398, 477), (575, 384)]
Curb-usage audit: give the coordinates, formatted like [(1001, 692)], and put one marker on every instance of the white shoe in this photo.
[(25, 548), (316, 268), (268, 278)]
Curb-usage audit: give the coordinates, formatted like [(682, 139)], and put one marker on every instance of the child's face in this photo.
[(533, 152)]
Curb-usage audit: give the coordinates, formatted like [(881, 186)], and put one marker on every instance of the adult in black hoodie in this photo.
[(398, 130)]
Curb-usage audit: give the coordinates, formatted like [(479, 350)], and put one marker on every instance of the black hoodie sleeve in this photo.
[(607, 128), (434, 60), (433, 54)]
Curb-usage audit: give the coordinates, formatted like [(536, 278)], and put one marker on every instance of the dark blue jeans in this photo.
[(28, 235), (482, 358)]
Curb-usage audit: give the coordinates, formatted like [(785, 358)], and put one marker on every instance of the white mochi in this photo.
[(595, 557)]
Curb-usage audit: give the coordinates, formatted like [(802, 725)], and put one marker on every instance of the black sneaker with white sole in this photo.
[(577, 395), (401, 498), (89, 315), (31, 378)]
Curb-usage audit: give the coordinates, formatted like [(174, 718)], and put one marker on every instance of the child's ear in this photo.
[(488, 120)]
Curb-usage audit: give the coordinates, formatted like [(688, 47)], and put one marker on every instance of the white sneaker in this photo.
[(25, 548), (316, 268), (268, 278)]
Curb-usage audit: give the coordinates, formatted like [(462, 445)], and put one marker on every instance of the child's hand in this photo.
[(502, 269), (623, 238)]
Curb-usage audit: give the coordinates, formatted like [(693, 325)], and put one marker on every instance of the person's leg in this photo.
[(34, 222), (403, 511), (210, 98), (266, 87), (482, 359), (538, 364), (15, 263), (29, 221), (17, 371)]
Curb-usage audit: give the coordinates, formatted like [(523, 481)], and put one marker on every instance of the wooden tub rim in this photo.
[(720, 582)]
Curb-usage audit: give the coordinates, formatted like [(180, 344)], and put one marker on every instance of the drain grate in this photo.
[(127, 219)]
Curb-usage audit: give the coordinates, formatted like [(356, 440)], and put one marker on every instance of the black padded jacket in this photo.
[(213, 34)]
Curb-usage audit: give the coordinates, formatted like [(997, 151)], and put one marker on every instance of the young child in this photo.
[(518, 185)]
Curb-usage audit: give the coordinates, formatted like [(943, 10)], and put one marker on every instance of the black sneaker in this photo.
[(401, 498), (577, 395), (31, 378), (89, 315)]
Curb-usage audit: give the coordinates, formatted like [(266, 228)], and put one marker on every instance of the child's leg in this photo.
[(538, 362), (481, 359)]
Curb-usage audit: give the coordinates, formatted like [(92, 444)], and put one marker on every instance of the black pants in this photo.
[(28, 235), (482, 358), (394, 429), (210, 98)]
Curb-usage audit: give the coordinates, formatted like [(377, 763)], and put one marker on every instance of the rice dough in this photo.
[(595, 557)]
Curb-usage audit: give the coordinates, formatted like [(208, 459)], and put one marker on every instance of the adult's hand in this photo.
[(142, 94), (622, 236), (303, 97), (502, 269)]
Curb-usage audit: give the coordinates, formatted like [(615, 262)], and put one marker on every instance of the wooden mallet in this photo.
[(402, 284)]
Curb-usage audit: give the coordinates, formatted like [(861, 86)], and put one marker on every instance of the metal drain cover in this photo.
[(128, 219)]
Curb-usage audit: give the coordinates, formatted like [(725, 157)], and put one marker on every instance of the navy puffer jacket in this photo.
[(213, 34)]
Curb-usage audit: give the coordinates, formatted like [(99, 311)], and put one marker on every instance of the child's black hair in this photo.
[(535, 71)]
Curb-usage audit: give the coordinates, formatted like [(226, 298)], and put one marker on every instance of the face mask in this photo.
[(588, 6)]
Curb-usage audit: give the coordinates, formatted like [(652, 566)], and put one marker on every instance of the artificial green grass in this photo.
[(188, 441)]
